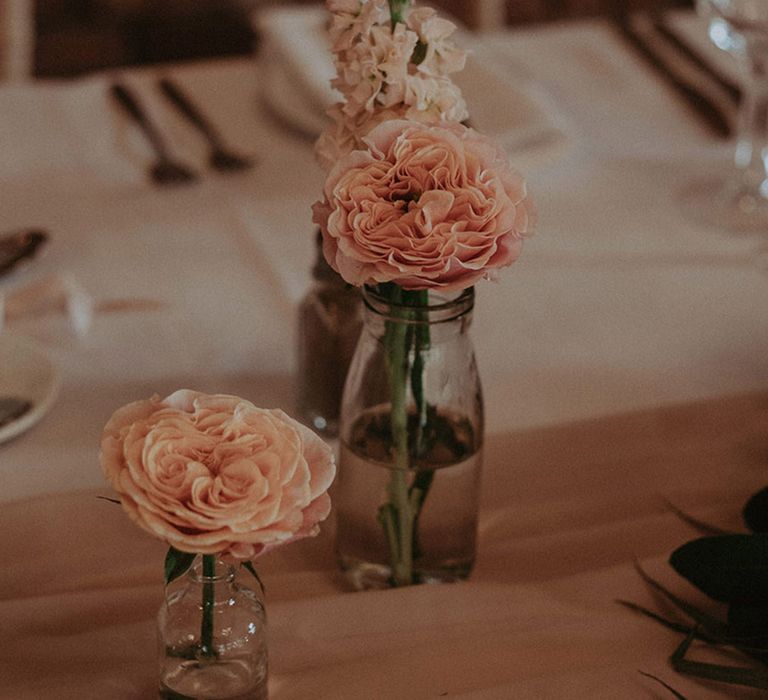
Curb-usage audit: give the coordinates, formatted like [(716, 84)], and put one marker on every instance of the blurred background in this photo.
[(70, 37)]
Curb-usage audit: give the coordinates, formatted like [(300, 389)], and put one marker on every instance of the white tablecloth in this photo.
[(619, 303)]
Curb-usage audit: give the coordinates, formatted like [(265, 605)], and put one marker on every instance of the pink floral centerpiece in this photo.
[(390, 66), (415, 204), (213, 475)]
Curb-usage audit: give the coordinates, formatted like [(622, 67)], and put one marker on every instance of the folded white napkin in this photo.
[(298, 65), (286, 249), (55, 294), (69, 133)]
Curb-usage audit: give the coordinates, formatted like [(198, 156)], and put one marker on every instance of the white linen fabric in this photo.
[(565, 510), (619, 303), (298, 69)]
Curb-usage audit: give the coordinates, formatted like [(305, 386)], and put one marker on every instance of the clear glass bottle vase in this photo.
[(411, 433), (329, 322), (212, 637)]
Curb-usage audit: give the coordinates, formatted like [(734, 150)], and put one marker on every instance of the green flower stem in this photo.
[(397, 515), (396, 8), (206, 624), (423, 478)]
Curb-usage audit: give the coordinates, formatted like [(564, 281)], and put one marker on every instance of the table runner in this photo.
[(565, 511)]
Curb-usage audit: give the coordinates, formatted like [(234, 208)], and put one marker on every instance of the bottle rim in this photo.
[(224, 572), (440, 308)]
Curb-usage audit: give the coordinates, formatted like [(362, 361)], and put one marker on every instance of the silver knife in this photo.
[(666, 30), (707, 110)]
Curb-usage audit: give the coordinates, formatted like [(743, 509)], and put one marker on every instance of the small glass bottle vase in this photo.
[(411, 434), (212, 637)]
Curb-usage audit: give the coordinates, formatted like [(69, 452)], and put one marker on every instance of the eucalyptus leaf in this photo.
[(248, 566), (728, 568), (177, 564), (735, 675), (756, 512)]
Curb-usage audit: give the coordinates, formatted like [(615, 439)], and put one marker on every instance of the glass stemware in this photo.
[(738, 202)]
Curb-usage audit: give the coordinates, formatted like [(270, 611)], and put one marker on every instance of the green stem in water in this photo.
[(397, 515), (422, 482), (206, 623)]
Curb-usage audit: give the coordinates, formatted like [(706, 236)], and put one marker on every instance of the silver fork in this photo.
[(166, 170)]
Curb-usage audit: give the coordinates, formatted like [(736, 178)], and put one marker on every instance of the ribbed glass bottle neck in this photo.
[(428, 308)]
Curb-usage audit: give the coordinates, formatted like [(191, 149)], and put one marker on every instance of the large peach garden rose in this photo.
[(215, 474), (426, 207)]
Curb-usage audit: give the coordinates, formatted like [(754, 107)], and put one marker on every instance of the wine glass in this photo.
[(738, 201)]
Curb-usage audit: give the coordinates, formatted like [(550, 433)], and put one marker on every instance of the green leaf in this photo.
[(666, 622), (703, 527), (679, 696), (248, 566), (177, 563), (735, 675), (419, 53), (749, 623), (709, 629), (711, 624), (728, 568), (737, 642), (756, 512)]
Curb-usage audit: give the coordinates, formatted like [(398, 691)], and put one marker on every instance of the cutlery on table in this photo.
[(17, 246), (701, 105), (12, 408), (220, 158), (284, 123), (669, 33), (165, 171)]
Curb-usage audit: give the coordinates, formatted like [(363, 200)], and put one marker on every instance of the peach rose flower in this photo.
[(424, 207), (215, 474)]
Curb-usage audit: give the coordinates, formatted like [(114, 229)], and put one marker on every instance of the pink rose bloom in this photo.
[(424, 207), (216, 474), (346, 134)]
